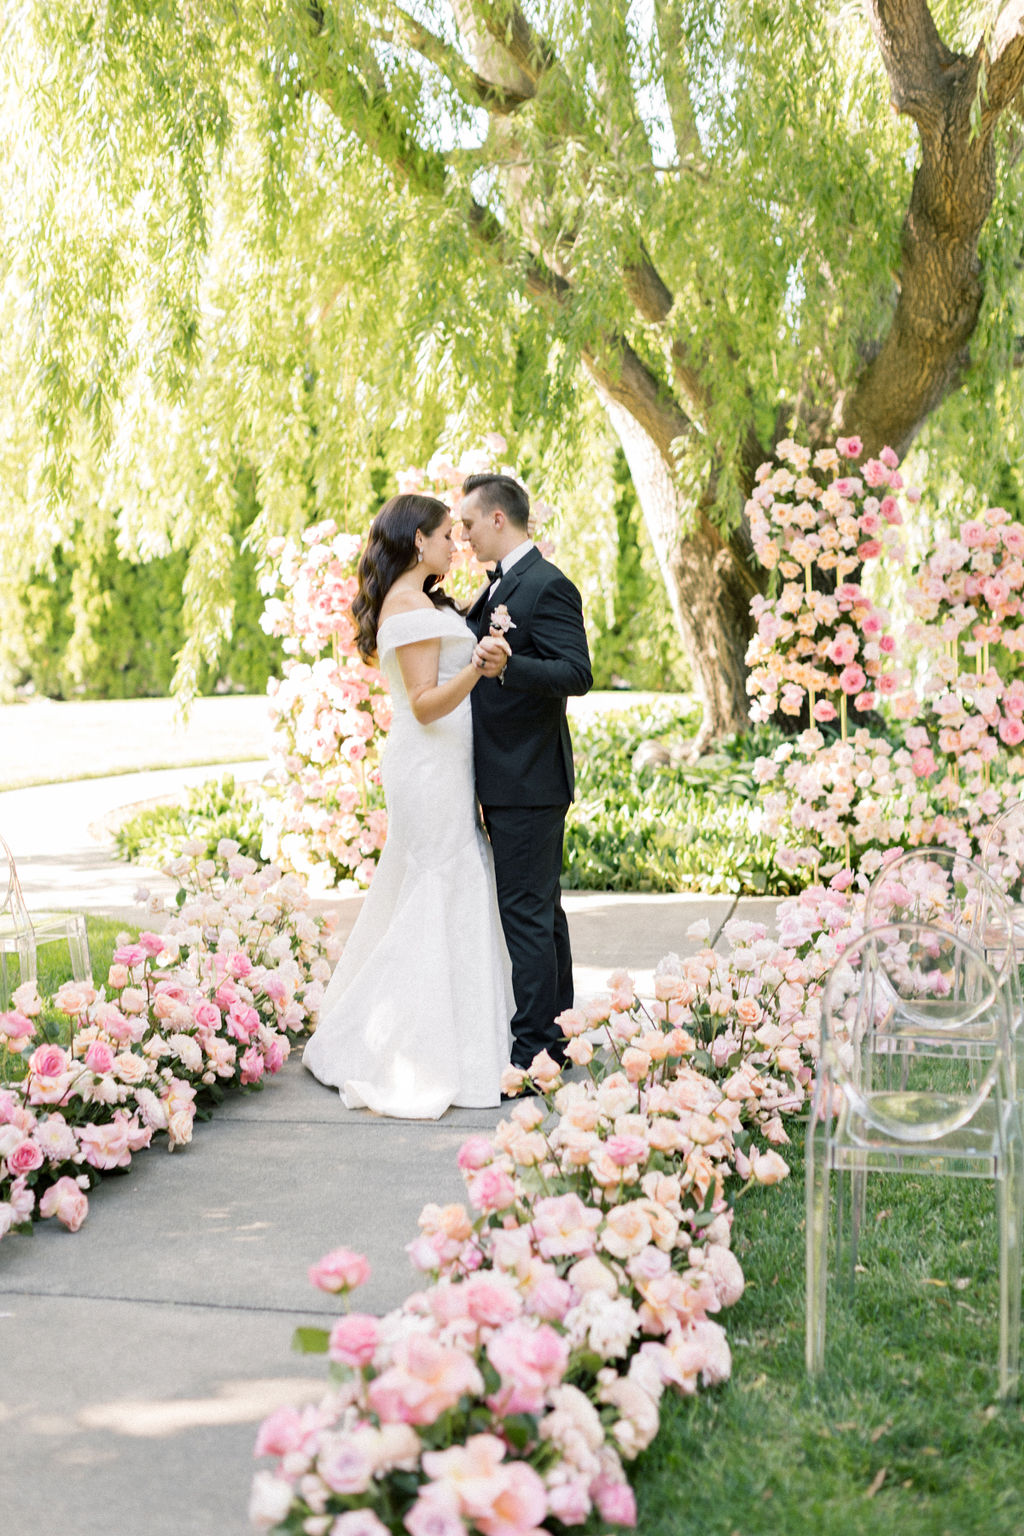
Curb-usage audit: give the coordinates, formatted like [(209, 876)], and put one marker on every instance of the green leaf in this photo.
[(310, 1341)]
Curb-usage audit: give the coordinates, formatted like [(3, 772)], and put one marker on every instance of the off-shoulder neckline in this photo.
[(422, 613)]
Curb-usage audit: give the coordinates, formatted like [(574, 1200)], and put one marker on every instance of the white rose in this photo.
[(270, 1501)]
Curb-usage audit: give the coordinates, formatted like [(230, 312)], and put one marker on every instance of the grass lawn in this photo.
[(54, 967), (905, 1434)]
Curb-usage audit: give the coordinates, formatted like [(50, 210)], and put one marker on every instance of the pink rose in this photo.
[(345, 1462), (48, 1061), (339, 1270), (206, 1015), (16, 1029), (848, 448), (276, 1053), (24, 1158), (99, 1057), (563, 1225), (824, 711), (106, 1146), (491, 1189), (129, 955), (358, 1522), (852, 679), (530, 1362), (242, 1022), (424, 1380), (1011, 732), (476, 1152), (67, 1202), (353, 1339), (22, 1199), (151, 944), (614, 1499), (624, 1150), (489, 1301), (251, 1065)]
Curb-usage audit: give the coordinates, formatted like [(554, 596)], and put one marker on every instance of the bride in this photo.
[(416, 1015)]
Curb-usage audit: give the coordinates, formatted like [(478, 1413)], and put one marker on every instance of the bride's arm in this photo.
[(429, 699)]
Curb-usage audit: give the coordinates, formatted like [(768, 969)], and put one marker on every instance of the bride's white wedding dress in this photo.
[(416, 1015)]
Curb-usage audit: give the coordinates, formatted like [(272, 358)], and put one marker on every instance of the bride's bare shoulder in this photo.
[(404, 602)]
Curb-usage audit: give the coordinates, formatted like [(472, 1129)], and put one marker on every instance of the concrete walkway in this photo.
[(137, 1356), (45, 741)]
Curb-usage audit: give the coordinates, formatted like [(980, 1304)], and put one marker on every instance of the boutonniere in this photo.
[(501, 620)]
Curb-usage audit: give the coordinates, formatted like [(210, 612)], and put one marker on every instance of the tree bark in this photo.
[(709, 576), (709, 584), (926, 349)]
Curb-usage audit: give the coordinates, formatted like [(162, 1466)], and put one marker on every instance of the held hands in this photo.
[(491, 655)]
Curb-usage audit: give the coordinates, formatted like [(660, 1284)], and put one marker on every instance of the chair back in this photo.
[(13, 906), (1002, 855), (945, 889), (925, 996)]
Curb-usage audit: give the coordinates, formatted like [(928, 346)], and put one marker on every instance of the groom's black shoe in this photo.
[(512, 1098)]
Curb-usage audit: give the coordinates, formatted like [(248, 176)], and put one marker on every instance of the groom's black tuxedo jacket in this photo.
[(521, 745)]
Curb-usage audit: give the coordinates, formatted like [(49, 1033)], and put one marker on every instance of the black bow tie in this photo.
[(495, 574)]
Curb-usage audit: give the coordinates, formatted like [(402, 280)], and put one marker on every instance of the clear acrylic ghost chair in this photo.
[(1002, 855), (22, 932), (929, 994), (946, 889)]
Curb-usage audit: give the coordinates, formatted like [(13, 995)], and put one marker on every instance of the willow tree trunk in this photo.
[(708, 582)]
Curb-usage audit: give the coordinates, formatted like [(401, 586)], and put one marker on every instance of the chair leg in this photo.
[(27, 958), (3, 979), (816, 1158), (78, 944), (1010, 1206)]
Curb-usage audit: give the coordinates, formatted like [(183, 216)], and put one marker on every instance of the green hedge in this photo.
[(685, 826), (103, 627), (677, 827)]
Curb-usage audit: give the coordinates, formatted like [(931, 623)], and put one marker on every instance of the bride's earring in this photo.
[(419, 556)]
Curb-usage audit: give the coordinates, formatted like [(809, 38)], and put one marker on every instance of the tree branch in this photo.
[(622, 372), (672, 38), (926, 350), (1004, 74), (473, 87), (506, 23), (916, 59)]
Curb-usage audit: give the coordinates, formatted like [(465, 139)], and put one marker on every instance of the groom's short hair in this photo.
[(500, 491)]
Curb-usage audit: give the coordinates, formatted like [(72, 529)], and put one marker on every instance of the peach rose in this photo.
[(65, 1201)]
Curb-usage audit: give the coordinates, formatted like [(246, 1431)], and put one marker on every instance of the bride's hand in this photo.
[(491, 654)]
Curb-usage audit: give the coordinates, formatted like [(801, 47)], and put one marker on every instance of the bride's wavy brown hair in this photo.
[(390, 550)]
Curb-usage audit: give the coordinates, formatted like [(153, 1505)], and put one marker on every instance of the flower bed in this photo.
[(928, 701), (210, 1003), (585, 1274)]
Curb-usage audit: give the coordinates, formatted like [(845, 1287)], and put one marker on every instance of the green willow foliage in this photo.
[(235, 246)]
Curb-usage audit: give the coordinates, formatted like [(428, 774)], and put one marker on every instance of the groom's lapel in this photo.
[(507, 585), (476, 613)]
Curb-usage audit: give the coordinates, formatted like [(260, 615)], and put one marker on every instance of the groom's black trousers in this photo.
[(527, 846)]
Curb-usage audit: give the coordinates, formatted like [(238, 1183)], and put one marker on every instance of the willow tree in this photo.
[(726, 220)]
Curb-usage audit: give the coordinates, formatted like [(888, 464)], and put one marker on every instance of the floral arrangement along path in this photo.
[(140, 1353)]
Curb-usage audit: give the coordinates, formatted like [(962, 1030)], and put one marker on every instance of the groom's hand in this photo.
[(491, 654)]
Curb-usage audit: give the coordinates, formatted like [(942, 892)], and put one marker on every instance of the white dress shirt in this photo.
[(509, 560)]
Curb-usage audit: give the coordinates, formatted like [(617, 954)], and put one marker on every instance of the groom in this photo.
[(523, 755)]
